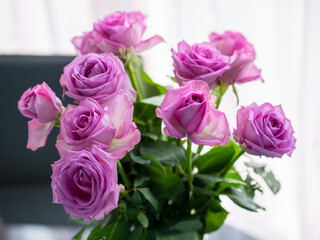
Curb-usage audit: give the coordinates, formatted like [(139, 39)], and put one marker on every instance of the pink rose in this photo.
[(199, 62), (85, 183), (98, 76), (188, 110), (109, 126), (242, 57), (43, 107), (264, 130), (115, 33), (89, 42)]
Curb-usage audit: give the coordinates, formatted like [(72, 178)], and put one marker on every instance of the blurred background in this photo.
[(286, 37)]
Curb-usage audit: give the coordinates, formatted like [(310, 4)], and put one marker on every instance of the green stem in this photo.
[(199, 149), (189, 165), (123, 175), (134, 81), (230, 164), (218, 102), (226, 169)]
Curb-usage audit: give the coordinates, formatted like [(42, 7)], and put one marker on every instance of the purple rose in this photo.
[(264, 130), (85, 183), (43, 107), (242, 57), (89, 42), (189, 110), (118, 31), (98, 76), (109, 126), (199, 62)]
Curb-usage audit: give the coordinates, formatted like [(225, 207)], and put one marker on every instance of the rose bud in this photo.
[(199, 62), (109, 126), (187, 110), (264, 130), (97, 76), (242, 57), (43, 107), (85, 183), (118, 31)]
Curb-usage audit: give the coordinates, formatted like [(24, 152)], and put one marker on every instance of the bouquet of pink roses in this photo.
[(115, 128)]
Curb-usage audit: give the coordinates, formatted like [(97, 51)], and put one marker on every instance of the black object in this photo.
[(24, 174)]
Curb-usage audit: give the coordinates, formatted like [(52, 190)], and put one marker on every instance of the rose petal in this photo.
[(149, 43), (215, 132), (38, 134)]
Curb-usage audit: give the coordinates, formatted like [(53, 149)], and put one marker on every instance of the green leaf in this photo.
[(155, 100), (162, 90), (137, 234), (165, 152), (214, 220), (217, 158), (268, 176), (252, 186), (188, 225), (118, 230), (210, 179), (142, 218), (136, 198), (143, 84), (149, 197), (139, 159), (78, 236), (168, 187), (179, 236), (242, 199), (270, 179)]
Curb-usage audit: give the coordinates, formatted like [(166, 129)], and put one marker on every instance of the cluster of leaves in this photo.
[(157, 204)]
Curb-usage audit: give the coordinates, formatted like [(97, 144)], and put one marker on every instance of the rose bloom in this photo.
[(115, 33), (98, 76), (43, 107), (85, 183), (264, 130), (89, 42), (109, 126), (199, 62), (189, 110), (242, 57)]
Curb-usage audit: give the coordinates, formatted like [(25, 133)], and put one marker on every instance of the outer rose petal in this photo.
[(149, 43), (120, 146), (120, 110), (38, 134), (216, 132)]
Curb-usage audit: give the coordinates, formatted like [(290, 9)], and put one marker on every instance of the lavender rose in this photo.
[(115, 33), (264, 130), (98, 76), (242, 57), (199, 62), (89, 42), (109, 126), (189, 110), (43, 107), (85, 183)]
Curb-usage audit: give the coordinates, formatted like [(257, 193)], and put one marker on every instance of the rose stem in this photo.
[(226, 169), (199, 149), (189, 166), (123, 175), (233, 160), (134, 81)]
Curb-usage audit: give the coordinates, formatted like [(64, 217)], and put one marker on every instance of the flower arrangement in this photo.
[(123, 124)]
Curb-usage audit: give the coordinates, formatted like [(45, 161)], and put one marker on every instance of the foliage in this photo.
[(158, 204)]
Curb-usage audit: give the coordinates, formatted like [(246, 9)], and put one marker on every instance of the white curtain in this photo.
[(286, 37)]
